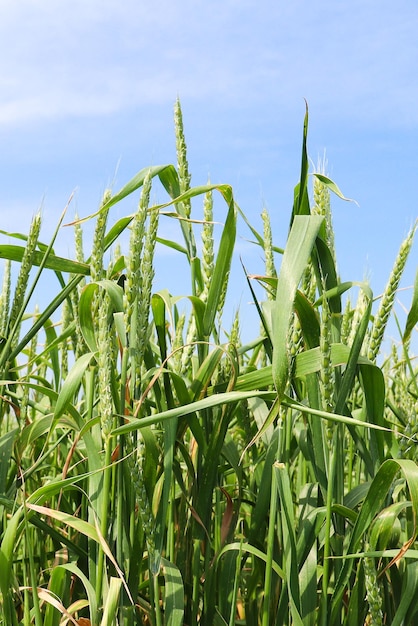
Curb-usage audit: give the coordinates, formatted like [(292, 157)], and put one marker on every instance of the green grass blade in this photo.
[(301, 201), (296, 255), (331, 186), (72, 384), (6, 449), (231, 397), (407, 606), (52, 350), (254, 551), (289, 539), (222, 264), (174, 245), (135, 183), (353, 360), (259, 512), (327, 274), (373, 384), (55, 588), (53, 262), (412, 318), (7, 548), (174, 594), (111, 602), (87, 323), (91, 595)]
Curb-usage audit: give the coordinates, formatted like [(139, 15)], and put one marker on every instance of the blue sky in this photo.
[(86, 100)]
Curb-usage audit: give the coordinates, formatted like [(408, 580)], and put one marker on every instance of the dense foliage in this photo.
[(155, 470)]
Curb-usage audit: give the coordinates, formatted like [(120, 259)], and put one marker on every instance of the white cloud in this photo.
[(99, 57)]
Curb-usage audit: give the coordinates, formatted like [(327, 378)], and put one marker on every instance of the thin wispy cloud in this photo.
[(74, 59)]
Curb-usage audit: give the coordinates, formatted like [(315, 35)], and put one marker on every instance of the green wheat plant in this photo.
[(160, 467)]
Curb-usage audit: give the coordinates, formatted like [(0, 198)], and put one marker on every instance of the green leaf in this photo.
[(259, 513), (373, 384), (174, 245), (296, 256), (91, 594), (412, 318), (222, 263), (7, 548), (407, 605), (259, 554), (135, 183), (87, 323), (174, 594), (301, 200), (170, 180), (6, 448), (72, 384), (59, 264), (289, 538), (218, 399), (353, 360), (331, 186), (111, 604)]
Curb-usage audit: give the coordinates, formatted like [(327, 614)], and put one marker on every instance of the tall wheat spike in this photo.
[(136, 242), (79, 344), (5, 298), (388, 298), (322, 206), (16, 312), (147, 276), (208, 254), (104, 362), (373, 593), (270, 267)]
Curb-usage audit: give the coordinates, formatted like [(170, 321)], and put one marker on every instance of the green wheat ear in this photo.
[(104, 362), (79, 344), (356, 316), (346, 321), (270, 267), (136, 463), (136, 242), (208, 254), (147, 277), (189, 346), (388, 298), (5, 298), (66, 319), (78, 238), (97, 251), (16, 312), (178, 343), (402, 402), (96, 260), (322, 206), (234, 342), (373, 594), (182, 163), (184, 208)]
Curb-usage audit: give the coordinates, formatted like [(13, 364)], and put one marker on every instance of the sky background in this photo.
[(87, 90)]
